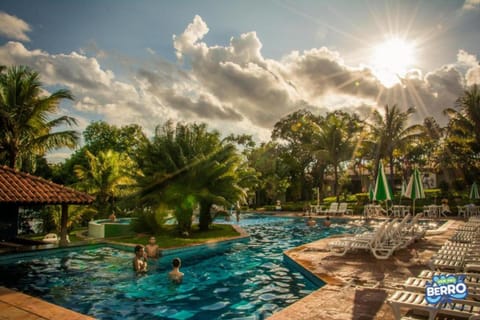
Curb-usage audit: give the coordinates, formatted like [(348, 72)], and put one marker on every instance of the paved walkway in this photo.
[(18, 306), (357, 283)]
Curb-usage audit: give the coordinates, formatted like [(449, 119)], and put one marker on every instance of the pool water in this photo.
[(246, 280)]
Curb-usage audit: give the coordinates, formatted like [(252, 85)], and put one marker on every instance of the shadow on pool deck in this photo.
[(357, 283)]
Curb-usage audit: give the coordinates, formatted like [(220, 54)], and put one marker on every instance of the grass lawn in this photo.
[(169, 237)]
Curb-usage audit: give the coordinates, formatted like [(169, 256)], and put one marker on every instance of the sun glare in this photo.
[(391, 60)]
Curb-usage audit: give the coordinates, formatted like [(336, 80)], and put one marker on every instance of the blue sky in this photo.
[(242, 65)]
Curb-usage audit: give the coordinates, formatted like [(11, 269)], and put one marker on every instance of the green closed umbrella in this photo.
[(415, 188), (382, 190), (474, 195), (370, 193)]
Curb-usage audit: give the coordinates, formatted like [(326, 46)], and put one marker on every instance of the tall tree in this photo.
[(463, 133), (199, 168), (335, 141), (101, 136), (27, 119), (271, 170), (108, 177), (294, 134), (390, 133)]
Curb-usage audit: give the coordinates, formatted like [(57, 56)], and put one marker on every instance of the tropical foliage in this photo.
[(108, 176), (185, 169), (185, 166), (27, 119), (390, 135)]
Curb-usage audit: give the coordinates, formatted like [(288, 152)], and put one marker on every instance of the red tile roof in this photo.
[(23, 188)]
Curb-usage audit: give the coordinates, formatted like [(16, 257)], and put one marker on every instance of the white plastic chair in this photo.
[(333, 209), (51, 238)]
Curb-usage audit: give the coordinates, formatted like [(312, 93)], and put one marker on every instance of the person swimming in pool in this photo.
[(311, 222), (327, 222), (175, 275), (153, 251), (139, 261)]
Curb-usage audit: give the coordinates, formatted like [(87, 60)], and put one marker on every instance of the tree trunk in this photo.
[(335, 184), (12, 159), (63, 227), (205, 218), (392, 176)]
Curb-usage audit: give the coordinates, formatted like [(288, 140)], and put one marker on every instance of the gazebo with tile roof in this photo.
[(19, 189)]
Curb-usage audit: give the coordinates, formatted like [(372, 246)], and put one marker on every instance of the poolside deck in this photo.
[(357, 283), (18, 306)]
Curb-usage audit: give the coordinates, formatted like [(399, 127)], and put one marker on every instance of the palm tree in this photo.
[(186, 165), (335, 141), (466, 120), (389, 133), (220, 182), (463, 131), (108, 176), (26, 118)]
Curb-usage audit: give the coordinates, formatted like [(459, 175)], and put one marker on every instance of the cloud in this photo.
[(463, 57), (234, 88), (237, 74), (472, 64), (12, 27), (263, 90), (321, 71), (471, 5), (473, 76), (97, 91)]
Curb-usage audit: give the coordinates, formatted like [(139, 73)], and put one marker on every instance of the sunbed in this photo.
[(418, 284), (332, 210), (363, 241), (416, 301)]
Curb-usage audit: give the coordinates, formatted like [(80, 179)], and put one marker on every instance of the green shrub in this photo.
[(148, 221)]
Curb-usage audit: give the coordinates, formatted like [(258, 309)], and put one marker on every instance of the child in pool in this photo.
[(139, 262), (152, 248), (175, 275)]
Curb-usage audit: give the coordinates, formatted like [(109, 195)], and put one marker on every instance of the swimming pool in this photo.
[(244, 280)]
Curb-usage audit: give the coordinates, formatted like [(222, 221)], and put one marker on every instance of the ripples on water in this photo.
[(247, 281)]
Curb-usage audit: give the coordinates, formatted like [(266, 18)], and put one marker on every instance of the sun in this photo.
[(392, 59)]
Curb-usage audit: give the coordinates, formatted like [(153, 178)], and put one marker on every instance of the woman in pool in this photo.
[(139, 262), (175, 275)]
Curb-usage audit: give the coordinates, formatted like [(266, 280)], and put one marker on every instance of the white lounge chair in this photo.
[(332, 210), (51, 238), (343, 209), (470, 277), (363, 241), (416, 301), (418, 284), (391, 240), (413, 227)]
